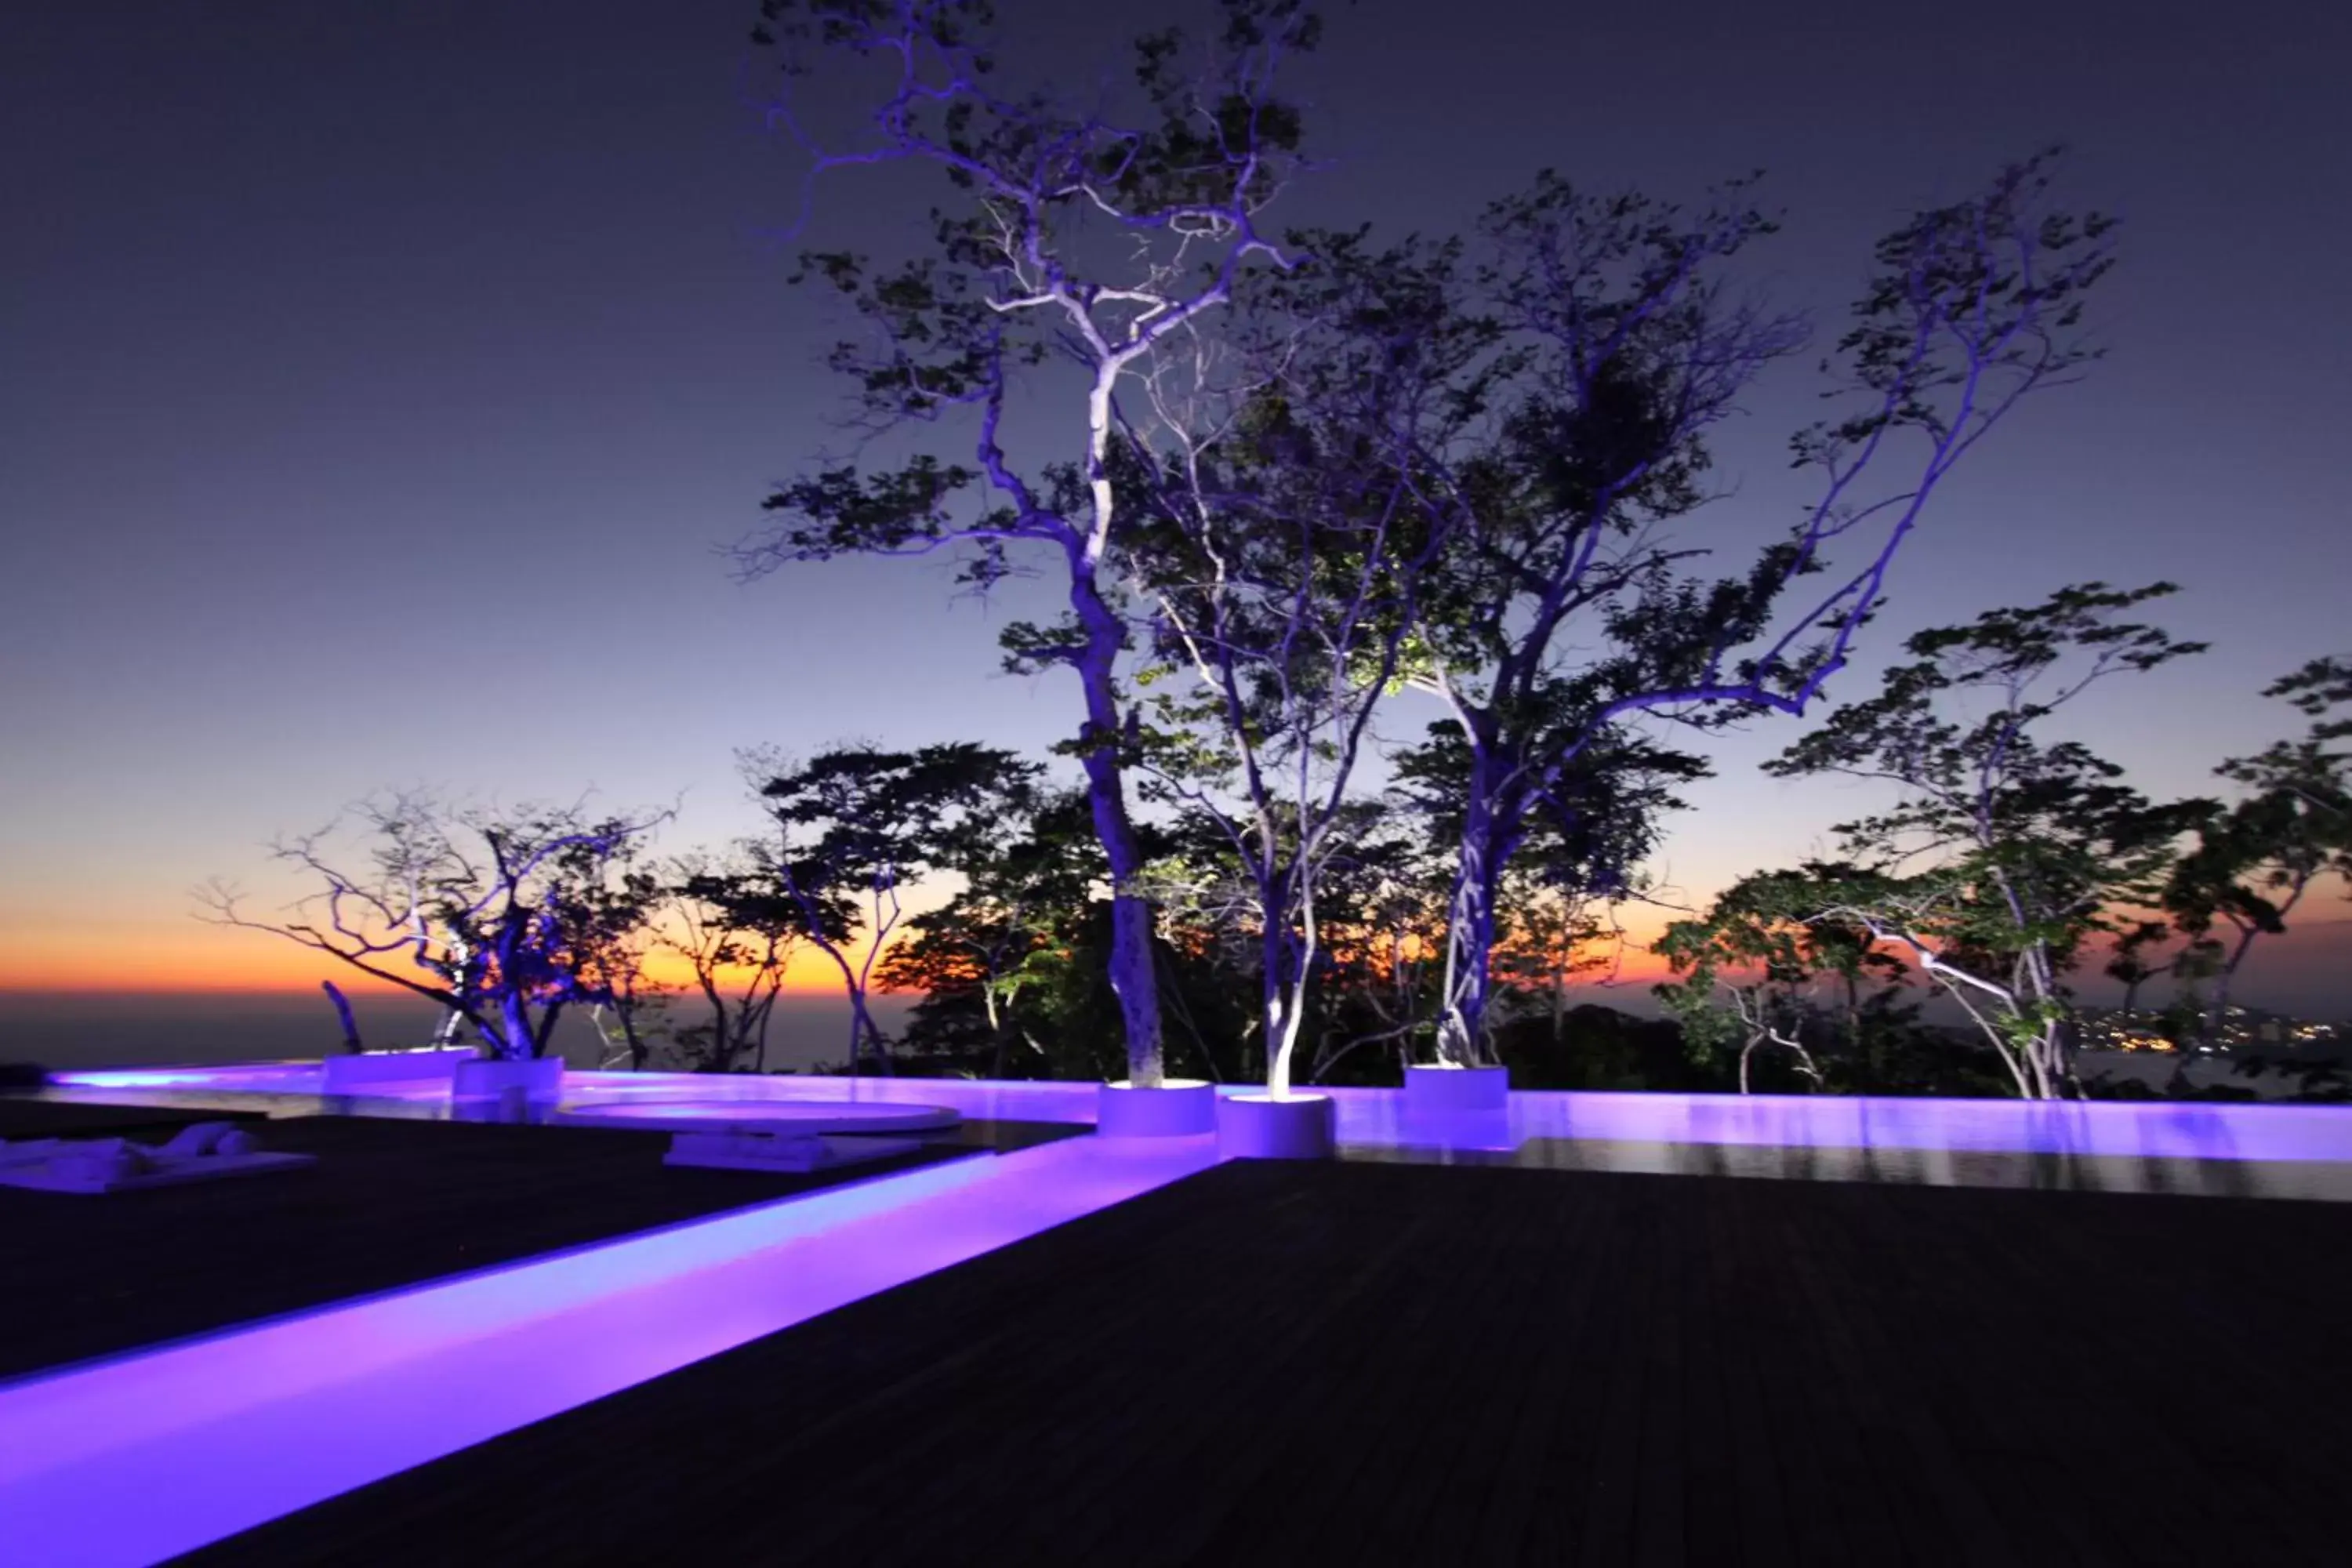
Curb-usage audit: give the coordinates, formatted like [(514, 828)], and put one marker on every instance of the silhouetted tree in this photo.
[(737, 925), (493, 915), (857, 822), (2133, 964), (609, 921), (2256, 859), (2005, 852), (989, 960), (1382, 911)]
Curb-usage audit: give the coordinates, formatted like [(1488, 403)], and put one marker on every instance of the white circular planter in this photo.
[(1179, 1108), (1452, 1088), (539, 1078), (1260, 1127)]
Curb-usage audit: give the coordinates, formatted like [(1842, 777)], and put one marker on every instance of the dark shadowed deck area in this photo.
[(23, 1117), (390, 1203), (1373, 1363)]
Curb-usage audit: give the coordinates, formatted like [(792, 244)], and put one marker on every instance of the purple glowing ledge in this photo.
[(217, 1434)]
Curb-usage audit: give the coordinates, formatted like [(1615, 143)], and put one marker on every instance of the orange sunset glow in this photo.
[(194, 957), (164, 955)]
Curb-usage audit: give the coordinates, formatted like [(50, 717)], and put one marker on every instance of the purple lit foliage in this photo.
[(1069, 239), (1281, 559), (1618, 347)]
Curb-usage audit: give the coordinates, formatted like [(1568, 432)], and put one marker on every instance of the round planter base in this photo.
[(1260, 1127), (1179, 1108), (539, 1078), (1450, 1089)]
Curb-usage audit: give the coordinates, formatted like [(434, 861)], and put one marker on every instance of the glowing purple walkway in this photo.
[(134, 1459)]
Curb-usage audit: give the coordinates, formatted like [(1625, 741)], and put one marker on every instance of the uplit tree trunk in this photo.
[(1133, 977), (1076, 238), (343, 1015), (1805, 1063), (1463, 1036), (1289, 1015), (639, 1052), (515, 1041), (2224, 974)]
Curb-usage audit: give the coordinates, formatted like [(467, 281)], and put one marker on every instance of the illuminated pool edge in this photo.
[(1380, 1118)]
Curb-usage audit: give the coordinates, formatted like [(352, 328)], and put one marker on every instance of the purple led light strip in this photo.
[(137, 1459)]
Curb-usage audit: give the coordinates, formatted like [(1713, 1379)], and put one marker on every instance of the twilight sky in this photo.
[(380, 379)]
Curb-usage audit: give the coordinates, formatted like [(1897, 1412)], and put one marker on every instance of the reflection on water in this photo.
[(2200, 1149), (2325, 1180)]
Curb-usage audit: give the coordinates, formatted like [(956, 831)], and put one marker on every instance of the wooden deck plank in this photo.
[(1547, 1356), (1899, 1373), (1848, 1384), (1437, 1458), (1387, 1444), (1754, 1500)]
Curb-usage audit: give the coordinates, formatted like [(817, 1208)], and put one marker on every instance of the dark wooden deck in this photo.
[(1392, 1363), (24, 1116), (390, 1203)]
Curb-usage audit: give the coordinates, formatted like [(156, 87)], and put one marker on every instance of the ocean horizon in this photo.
[(83, 1029)]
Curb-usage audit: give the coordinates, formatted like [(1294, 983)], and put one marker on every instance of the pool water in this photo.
[(761, 1116)]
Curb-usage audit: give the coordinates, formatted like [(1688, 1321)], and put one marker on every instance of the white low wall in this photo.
[(346, 1074)]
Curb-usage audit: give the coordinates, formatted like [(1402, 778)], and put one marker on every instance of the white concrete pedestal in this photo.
[(539, 1078), (1450, 1089), (1179, 1108), (1260, 1127), (349, 1074)]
